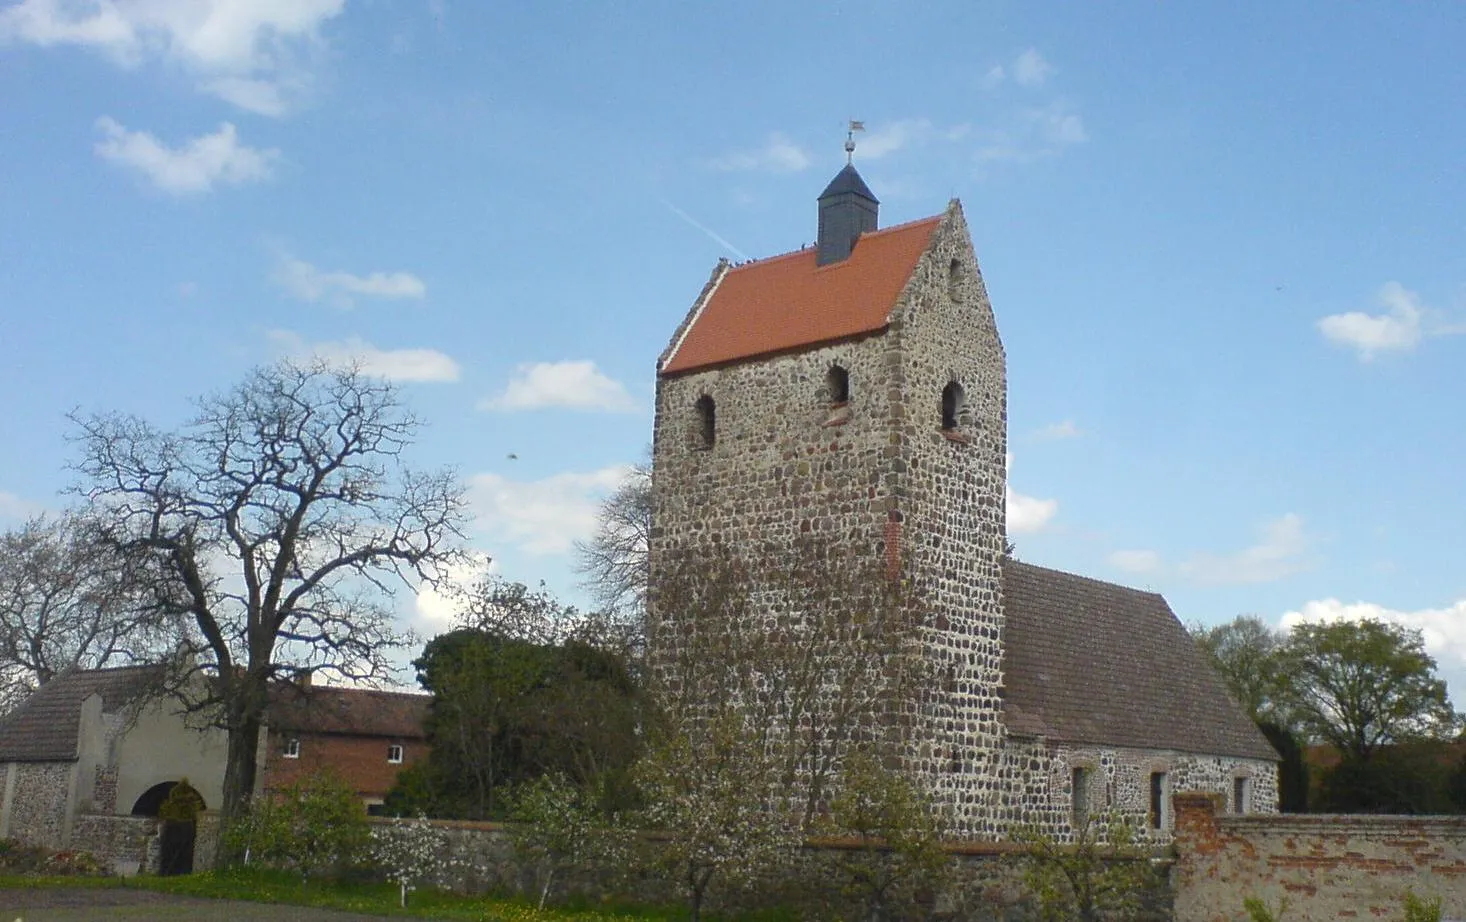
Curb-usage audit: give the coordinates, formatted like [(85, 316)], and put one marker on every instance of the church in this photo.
[(855, 392)]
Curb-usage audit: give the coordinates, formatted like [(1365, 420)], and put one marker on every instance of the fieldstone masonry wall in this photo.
[(1119, 781), (123, 844), (877, 479), (880, 478), (35, 807), (1326, 867)]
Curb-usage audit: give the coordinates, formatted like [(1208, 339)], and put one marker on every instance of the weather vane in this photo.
[(850, 140)]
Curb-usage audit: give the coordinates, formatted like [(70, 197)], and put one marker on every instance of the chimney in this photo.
[(847, 210)]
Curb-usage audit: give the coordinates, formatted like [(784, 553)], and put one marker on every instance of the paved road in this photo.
[(59, 905)]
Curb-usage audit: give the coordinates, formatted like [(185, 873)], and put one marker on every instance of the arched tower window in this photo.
[(837, 384), (952, 403), (954, 280), (707, 422)]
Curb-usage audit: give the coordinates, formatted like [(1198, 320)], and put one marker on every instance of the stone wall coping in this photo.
[(1353, 822)]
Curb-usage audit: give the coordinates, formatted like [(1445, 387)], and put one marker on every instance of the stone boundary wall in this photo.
[(1324, 866), (124, 845), (986, 880)]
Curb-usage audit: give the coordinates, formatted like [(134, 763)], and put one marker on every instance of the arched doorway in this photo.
[(176, 804), (150, 800)]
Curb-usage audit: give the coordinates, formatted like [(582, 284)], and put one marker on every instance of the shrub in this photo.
[(314, 825), (1419, 910), (561, 828), (1258, 910), (1105, 872)]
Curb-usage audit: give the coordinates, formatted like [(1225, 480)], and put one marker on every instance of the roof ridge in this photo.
[(1081, 576), (765, 260)]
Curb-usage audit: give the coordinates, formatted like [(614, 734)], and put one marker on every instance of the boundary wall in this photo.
[(1324, 866)]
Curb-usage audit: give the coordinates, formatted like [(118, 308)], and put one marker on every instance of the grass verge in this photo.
[(377, 899)]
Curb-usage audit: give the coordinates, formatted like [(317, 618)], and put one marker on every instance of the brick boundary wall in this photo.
[(1326, 867)]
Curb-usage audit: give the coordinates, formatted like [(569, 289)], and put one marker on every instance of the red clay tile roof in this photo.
[(787, 302), (347, 711), (1086, 661)]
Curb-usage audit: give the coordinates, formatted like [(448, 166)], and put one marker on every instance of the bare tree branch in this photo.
[(277, 520)]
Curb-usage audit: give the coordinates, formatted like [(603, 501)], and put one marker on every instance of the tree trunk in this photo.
[(239, 778)]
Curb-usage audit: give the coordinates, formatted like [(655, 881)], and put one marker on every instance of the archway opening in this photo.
[(150, 800)]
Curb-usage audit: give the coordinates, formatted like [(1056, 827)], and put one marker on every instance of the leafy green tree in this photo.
[(517, 696), (1456, 786), (1292, 771), (893, 830), (1360, 685), (1403, 778), (1245, 652), (1106, 872)]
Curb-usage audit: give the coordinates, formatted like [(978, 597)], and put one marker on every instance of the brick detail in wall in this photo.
[(359, 760), (1325, 867)]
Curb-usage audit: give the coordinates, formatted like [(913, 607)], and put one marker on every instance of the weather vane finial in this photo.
[(850, 140)]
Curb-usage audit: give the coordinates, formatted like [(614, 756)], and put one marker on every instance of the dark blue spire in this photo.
[(847, 210)]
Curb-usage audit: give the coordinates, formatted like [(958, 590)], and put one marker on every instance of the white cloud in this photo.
[(441, 605), (542, 517), (1033, 134), (778, 155), (1442, 629), (1064, 429), (414, 365), (1136, 561), (1396, 330), (891, 137), (255, 54), (1028, 514), (15, 510), (575, 385), (305, 282), (1031, 70), (1284, 548), (193, 168)]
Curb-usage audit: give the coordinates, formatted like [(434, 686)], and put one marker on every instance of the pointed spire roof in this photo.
[(848, 180)]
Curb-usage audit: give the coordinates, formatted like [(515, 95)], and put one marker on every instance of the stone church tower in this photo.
[(854, 393), (852, 396)]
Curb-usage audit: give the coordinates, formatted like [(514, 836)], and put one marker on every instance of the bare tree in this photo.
[(614, 562), (279, 520), (68, 601)]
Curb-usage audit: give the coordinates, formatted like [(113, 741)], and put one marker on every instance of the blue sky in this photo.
[(1223, 243)]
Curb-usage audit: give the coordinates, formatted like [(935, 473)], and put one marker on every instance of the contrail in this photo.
[(713, 235)]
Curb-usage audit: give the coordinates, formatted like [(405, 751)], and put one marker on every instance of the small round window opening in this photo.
[(952, 403), (837, 385), (707, 423)]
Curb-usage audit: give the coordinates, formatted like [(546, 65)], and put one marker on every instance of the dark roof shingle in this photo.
[(347, 711), (1087, 661), (44, 727)]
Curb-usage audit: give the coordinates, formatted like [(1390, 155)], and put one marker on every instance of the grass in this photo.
[(263, 886)]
